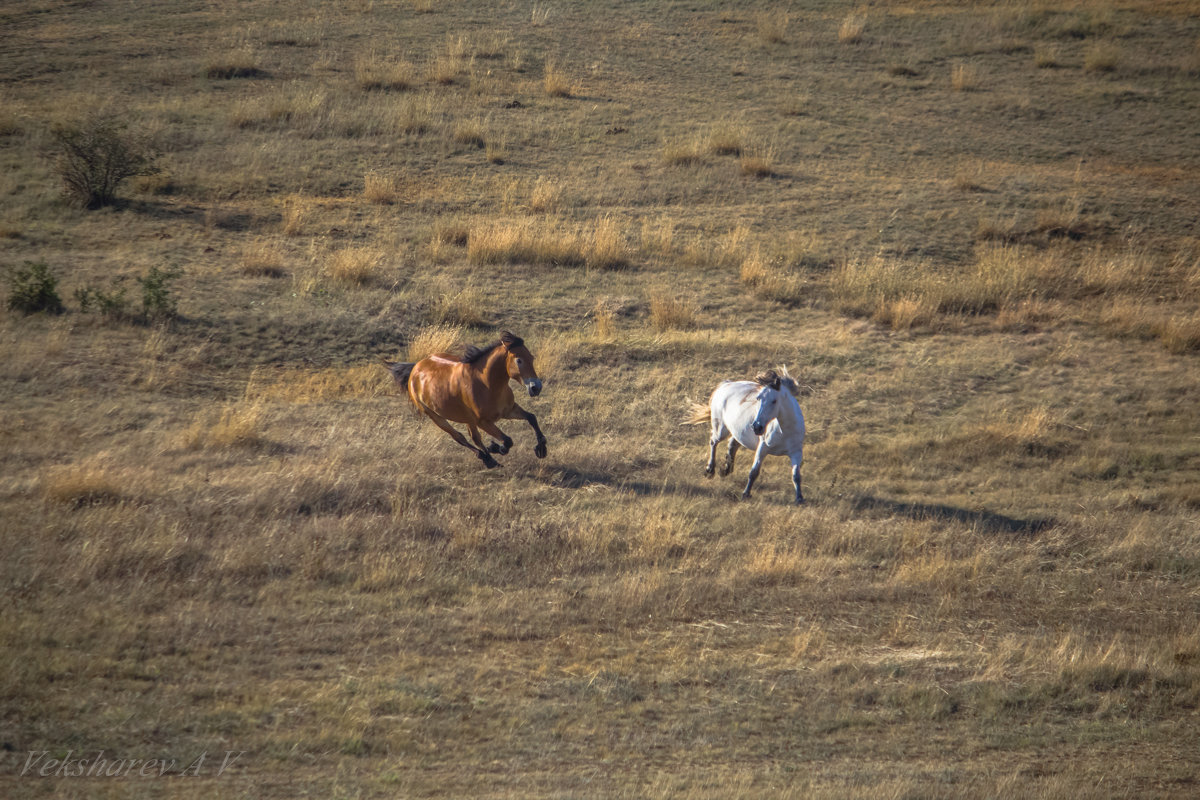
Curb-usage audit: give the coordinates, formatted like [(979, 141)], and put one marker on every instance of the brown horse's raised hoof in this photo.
[(487, 460), (540, 450)]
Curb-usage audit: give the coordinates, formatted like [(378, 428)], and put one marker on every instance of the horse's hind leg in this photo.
[(480, 451), (719, 432), (727, 467)]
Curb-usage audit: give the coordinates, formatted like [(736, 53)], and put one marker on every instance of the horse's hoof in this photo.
[(708, 473), (540, 450), (495, 448), (745, 495)]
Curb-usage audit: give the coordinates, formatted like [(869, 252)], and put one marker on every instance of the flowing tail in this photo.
[(400, 371), (697, 414)]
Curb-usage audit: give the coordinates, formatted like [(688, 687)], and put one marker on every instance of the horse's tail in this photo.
[(697, 414), (400, 371)]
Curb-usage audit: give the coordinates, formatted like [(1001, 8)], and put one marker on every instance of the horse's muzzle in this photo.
[(758, 429), (534, 386)]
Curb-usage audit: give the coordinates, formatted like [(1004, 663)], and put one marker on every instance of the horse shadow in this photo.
[(984, 520), (571, 478)]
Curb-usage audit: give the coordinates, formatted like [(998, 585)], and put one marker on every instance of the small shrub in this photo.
[(34, 289), (95, 156), (758, 162), (107, 303), (157, 301)]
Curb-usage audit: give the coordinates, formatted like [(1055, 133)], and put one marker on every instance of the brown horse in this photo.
[(474, 391)]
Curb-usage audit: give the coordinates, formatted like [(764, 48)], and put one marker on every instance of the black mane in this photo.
[(474, 354)]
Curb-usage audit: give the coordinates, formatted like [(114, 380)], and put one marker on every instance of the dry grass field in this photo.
[(236, 564)]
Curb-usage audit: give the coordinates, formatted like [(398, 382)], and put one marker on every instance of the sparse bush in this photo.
[(93, 157), (34, 289), (157, 300), (111, 303)]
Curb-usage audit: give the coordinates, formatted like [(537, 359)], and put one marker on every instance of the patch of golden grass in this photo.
[(684, 152), (852, 28), (672, 311), (305, 386), (727, 139), (263, 258), (95, 481), (462, 306), (237, 425), (770, 279), (601, 246), (380, 189), (296, 213), (441, 337), (604, 319), (1102, 56), (355, 265), (964, 77), (555, 81), (1046, 56), (758, 162), (771, 25), (546, 196), (375, 72)]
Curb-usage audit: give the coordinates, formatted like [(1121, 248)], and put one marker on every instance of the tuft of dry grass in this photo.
[(964, 77), (374, 72), (355, 265), (555, 81), (237, 425), (670, 311), (771, 25), (380, 189), (263, 258), (546, 196), (1102, 56), (852, 28), (440, 337)]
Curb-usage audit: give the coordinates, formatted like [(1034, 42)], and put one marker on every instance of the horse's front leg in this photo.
[(519, 413), (796, 481), (759, 455)]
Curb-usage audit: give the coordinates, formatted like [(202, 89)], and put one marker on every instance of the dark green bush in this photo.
[(34, 289)]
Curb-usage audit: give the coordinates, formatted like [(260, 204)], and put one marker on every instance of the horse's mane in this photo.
[(785, 380), (474, 354)]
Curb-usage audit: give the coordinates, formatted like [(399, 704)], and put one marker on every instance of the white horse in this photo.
[(761, 415)]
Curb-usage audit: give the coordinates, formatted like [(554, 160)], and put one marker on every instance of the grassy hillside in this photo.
[(970, 230)]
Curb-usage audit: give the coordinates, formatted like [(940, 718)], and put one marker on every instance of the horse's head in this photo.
[(766, 401), (519, 362)]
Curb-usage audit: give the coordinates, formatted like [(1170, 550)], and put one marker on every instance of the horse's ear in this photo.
[(775, 384)]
